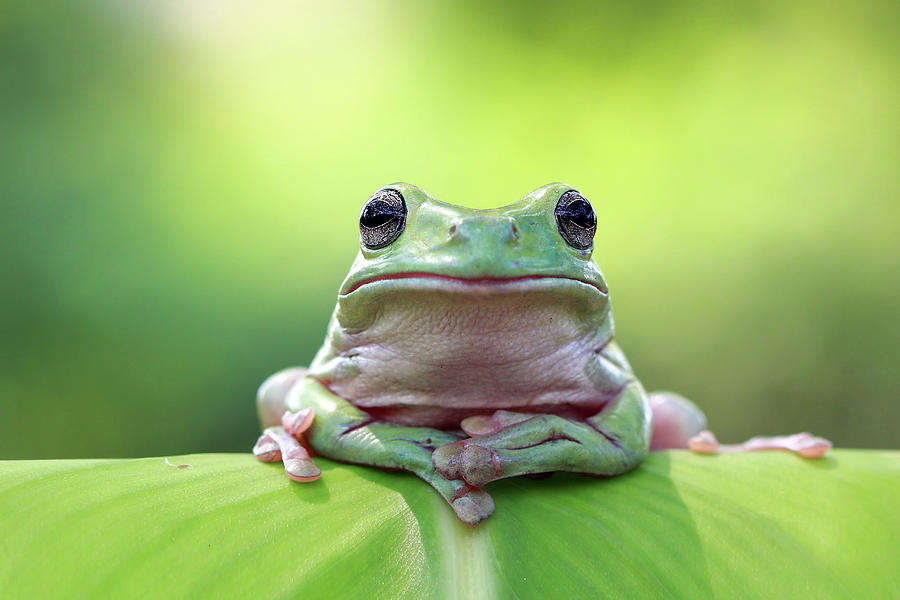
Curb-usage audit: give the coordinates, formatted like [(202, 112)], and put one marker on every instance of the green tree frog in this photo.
[(472, 345)]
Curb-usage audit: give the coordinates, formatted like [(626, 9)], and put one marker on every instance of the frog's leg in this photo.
[(272, 393), (284, 443), (677, 423), (675, 420), (344, 432), (611, 442), (804, 444)]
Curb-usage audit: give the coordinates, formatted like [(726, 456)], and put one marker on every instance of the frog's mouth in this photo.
[(475, 281)]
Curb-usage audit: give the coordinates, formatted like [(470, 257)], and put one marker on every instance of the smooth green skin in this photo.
[(518, 240)]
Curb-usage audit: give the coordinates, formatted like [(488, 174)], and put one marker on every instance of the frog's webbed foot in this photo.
[(804, 444), (286, 443)]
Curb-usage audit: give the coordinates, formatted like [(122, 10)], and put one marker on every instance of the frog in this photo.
[(472, 345)]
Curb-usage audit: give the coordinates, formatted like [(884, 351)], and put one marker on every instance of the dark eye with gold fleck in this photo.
[(382, 219), (576, 220)]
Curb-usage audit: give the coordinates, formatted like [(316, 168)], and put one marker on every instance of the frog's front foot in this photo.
[(286, 443), (474, 464)]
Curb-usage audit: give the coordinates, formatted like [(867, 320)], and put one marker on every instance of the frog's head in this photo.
[(447, 305), (545, 238)]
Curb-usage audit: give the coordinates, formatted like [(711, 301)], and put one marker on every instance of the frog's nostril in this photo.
[(453, 232), (512, 232)]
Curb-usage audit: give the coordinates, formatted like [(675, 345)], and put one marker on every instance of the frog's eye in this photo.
[(576, 220), (382, 219)]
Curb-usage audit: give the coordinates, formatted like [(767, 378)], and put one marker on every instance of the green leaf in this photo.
[(764, 525)]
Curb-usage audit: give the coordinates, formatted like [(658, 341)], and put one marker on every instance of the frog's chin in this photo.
[(473, 284)]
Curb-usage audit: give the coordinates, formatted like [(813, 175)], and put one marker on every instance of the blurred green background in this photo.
[(181, 182)]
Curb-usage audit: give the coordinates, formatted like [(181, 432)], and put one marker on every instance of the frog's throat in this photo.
[(466, 280), (432, 350)]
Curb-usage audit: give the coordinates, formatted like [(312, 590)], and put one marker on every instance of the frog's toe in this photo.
[(478, 425), (473, 506), (295, 423), (298, 465), (804, 444), (704, 443), (446, 459), (479, 465), (267, 449), (809, 446), (486, 425)]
